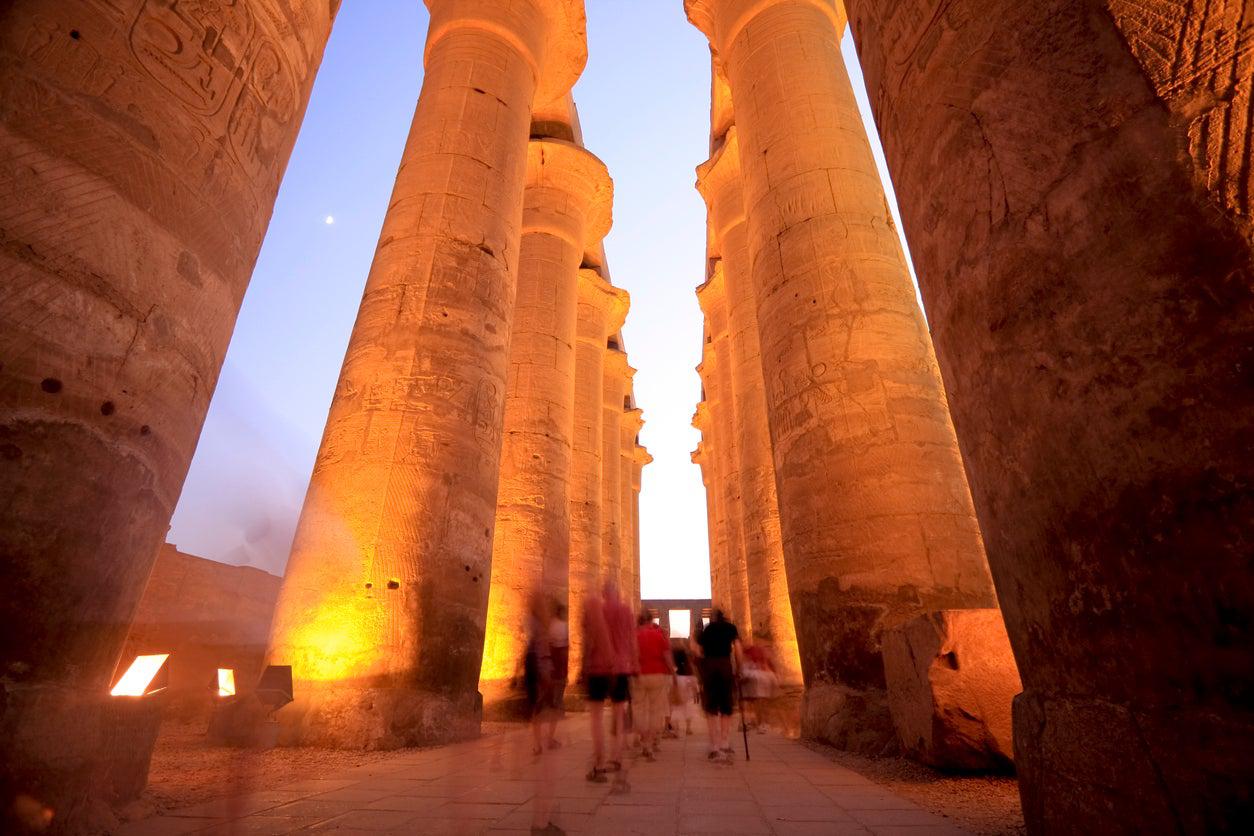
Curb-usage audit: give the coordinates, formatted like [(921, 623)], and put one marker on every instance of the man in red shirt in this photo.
[(651, 690)]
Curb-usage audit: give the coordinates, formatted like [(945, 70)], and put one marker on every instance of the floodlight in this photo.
[(275, 686), (146, 675), (226, 682)]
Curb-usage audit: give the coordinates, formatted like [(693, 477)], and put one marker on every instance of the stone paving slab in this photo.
[(489, 787)]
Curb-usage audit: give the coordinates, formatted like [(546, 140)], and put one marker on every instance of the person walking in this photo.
[(650, 691), (687, 692), (598, 678), (719, 649), (620, 622)]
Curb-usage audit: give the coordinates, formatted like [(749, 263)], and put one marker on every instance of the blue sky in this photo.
[(644, 105)]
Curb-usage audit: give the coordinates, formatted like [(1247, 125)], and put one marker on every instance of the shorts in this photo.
[(717, 682), (615, 686)]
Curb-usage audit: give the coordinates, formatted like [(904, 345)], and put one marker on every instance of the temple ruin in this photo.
[(1011, 529)]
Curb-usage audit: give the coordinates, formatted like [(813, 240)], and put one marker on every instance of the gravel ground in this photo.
[(987, 805), (187, 769)]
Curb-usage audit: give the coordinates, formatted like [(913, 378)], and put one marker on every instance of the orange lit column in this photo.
[(140, 154), (632, 422), (719, 183), (566, 209), (616, 379), (602, 310), (719, 392), (872, 495), (640, 458), (703, 421), (382, 609)]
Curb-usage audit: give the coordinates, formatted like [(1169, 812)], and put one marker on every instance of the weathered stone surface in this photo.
[(140, 151), (602, 310), (566, 210), (633, 422), (617, 378), (383, 604), (640, 458), (951, 680), (875, 513), (1086, 265), (718, 179), (206, 615)]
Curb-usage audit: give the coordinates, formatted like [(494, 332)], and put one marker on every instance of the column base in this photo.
[(1091, 766), (502, 701), (72, 756), (853, 720), (339, 715)]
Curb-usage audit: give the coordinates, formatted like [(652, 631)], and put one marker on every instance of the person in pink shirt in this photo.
[(650, 692), (599, 662), (621, 624)]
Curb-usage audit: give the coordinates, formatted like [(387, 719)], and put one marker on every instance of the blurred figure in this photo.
[(758, 683), (540, 683), (650, 690), (559, 650), (598, 678), (687, 692), (719, 647), (621, 624)]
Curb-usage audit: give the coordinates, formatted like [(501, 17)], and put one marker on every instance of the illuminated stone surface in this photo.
[(566, 210), (719, 183), (140, 152), (875, 513), (720, 591), (1086, 261), (716, 366), (602, 310), (639, 459), (951, 679), (629, 570), (383, 605), (616, 378)]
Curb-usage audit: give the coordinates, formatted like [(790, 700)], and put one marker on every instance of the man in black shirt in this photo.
[(719, 646)]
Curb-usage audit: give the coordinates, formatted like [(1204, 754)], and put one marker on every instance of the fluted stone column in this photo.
[(769, 602), (566, 210), (713, 298), (614, 389), (640, 458), (602, 310), (140, 152), (382, 608), (875, 512), (1080, 213), (632, 423)]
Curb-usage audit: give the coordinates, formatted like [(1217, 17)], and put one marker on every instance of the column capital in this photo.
[(561, 175), (550, 34), (633, 422), (712, 297), (718, 181), (596, 291), (616, 364), (722, 20), (701, 417)]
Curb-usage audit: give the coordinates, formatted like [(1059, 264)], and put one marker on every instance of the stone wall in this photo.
[(206, 615)]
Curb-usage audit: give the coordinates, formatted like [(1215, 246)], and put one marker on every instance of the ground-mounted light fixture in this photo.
[(146, 675), (274, 689)]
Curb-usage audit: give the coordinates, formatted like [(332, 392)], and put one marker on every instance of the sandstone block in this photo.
[(951, 681)]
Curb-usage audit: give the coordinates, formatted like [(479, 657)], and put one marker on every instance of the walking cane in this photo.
[(744, 727)]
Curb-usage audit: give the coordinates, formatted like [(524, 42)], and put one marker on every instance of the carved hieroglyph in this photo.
[(769, 603), (875, 512), (383, 605), (566, 210), (602, 311), (141, 146), (1085, 254)]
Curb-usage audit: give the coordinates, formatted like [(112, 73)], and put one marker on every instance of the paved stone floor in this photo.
[(488, 786)]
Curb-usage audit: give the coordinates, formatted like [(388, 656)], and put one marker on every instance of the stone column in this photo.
[(382, 609), (875, 512), (566, 209), (632, 423), (713, 298), (614, 388), (640, 458), (719, 182), (1085, 262), (702, 420), (602, 310), (140, 153)]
